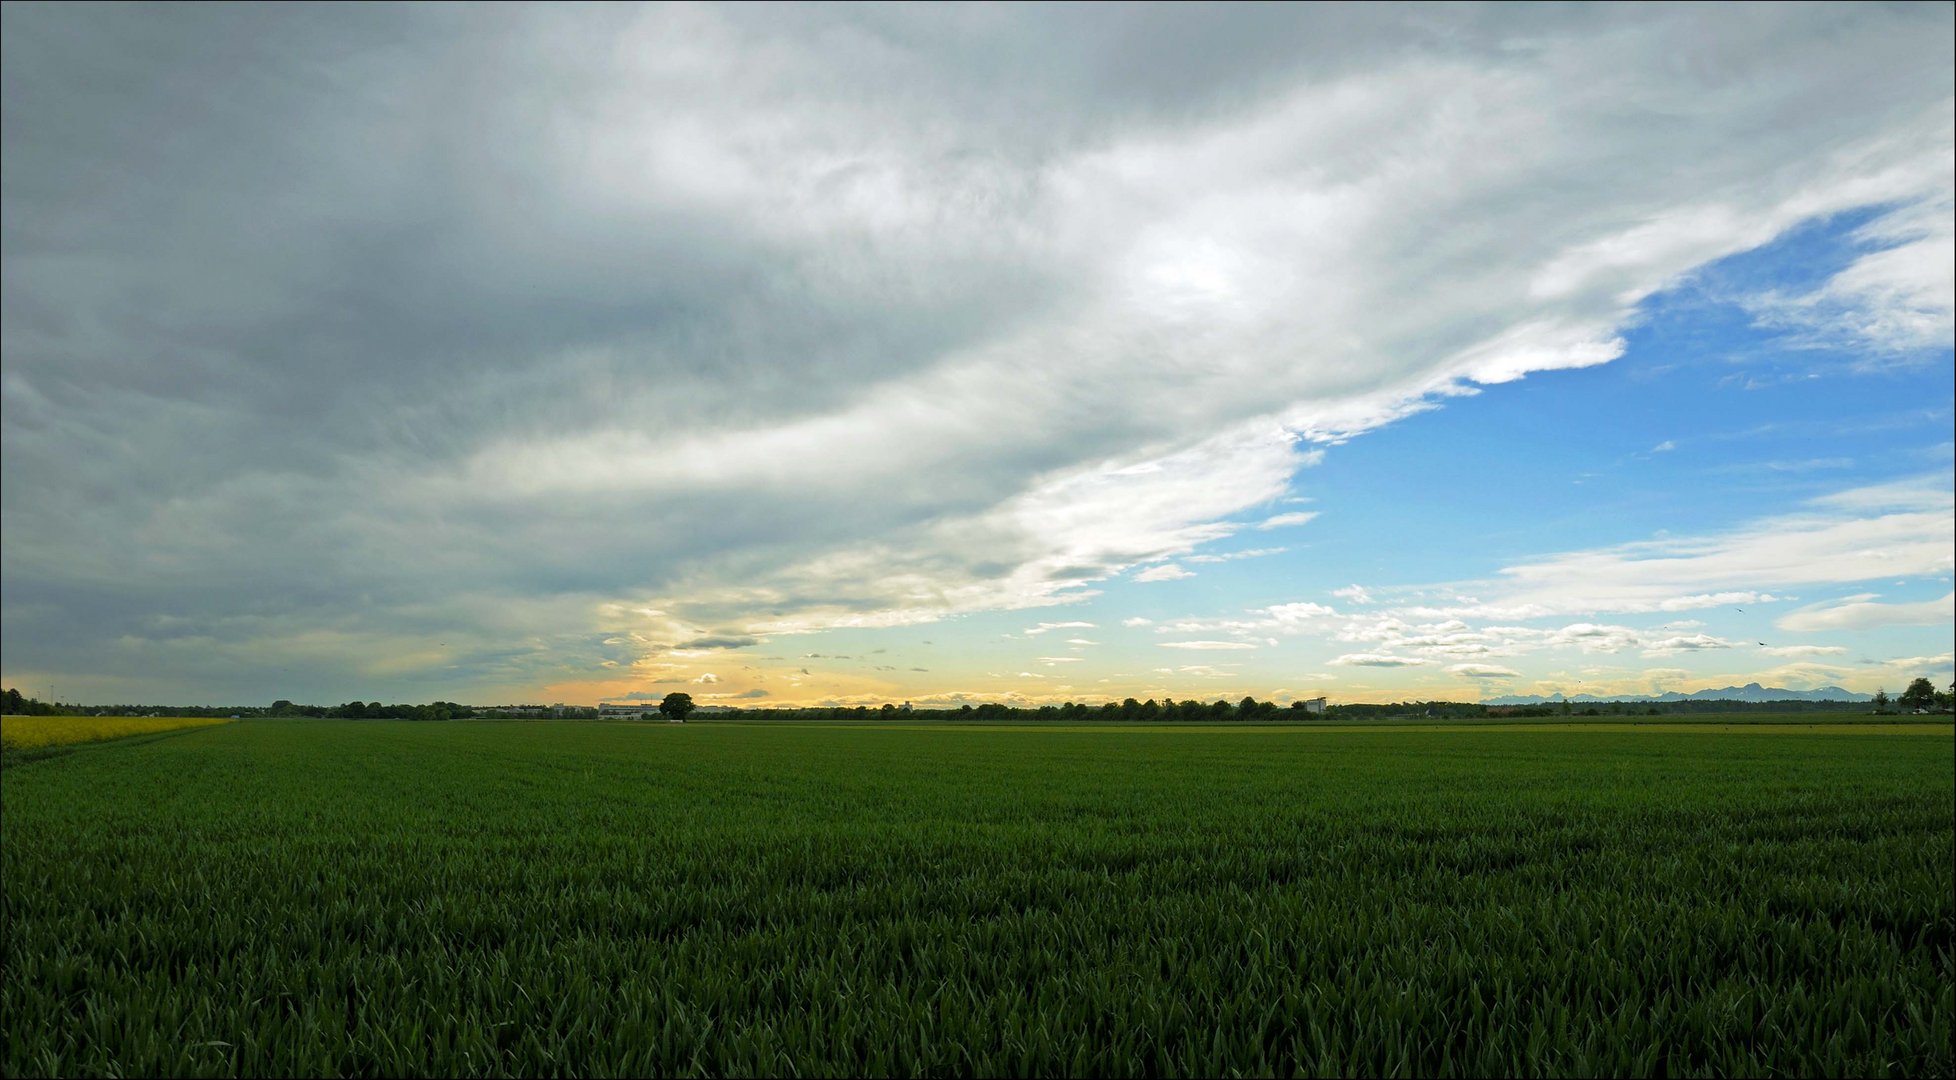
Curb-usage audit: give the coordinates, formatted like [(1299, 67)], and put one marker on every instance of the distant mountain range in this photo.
[(1751, 691)]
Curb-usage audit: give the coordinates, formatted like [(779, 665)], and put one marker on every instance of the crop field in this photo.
[(383, 898), (37, 732)]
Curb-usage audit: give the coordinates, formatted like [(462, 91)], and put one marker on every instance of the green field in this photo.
[(555, 899)]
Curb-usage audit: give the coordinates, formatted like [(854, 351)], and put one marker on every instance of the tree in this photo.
[(676, 706), (1881, 701), (1921, 694)]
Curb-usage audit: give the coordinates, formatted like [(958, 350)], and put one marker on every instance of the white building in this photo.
[(1314, 706)]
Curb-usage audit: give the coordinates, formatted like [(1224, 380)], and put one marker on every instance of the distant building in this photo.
[(628, 709), (1314, 706)]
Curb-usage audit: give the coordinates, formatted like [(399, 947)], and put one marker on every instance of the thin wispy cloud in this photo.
[(1865, 610)]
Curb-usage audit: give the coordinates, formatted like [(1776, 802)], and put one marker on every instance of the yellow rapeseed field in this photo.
[(31, 732)]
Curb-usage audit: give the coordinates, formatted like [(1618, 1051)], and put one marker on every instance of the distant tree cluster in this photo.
[(372, 710), (17, 705), (1921, 696)]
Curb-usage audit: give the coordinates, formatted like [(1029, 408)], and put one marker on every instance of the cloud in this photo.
[(1482, 671), (1357, 594), (1081, 641), (705, 643), (936, 313), (1863, 612), (1297, 614), (1920, 663), (707, 679), (1664, 447), (1035, 631), (1378, 660), (1204, 671), (1804, 650), (1137, 620), (1280, 521), (1861, 534), (1895, 298), (1234, 556), (1060, 659), (1596, 638), (1206, 645), (1671, 646), (1164, 572)]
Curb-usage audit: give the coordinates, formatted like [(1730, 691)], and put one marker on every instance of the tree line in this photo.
[(18, 704), (1920, 694)]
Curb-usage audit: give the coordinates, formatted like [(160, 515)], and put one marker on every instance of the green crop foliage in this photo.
[(347, 898)]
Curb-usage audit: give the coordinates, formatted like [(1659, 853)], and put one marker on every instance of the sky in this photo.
[(790, 355)]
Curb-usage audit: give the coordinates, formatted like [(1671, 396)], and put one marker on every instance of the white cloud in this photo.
[(1060, 659), (1137, 620), (1378, 660), (1297, 614), (1295, 517), (1035, 631), (1206, 645), (1664, 447), (1804, 650), (1896, 298), (1920, 664), (1081, 641), (1164, 572), (1866, 532), (1482, 671), (1204, 671), (1846, 537), (1233, 556), (1357, 594), (1686, 644), (1863, 612), (1596, 638)]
